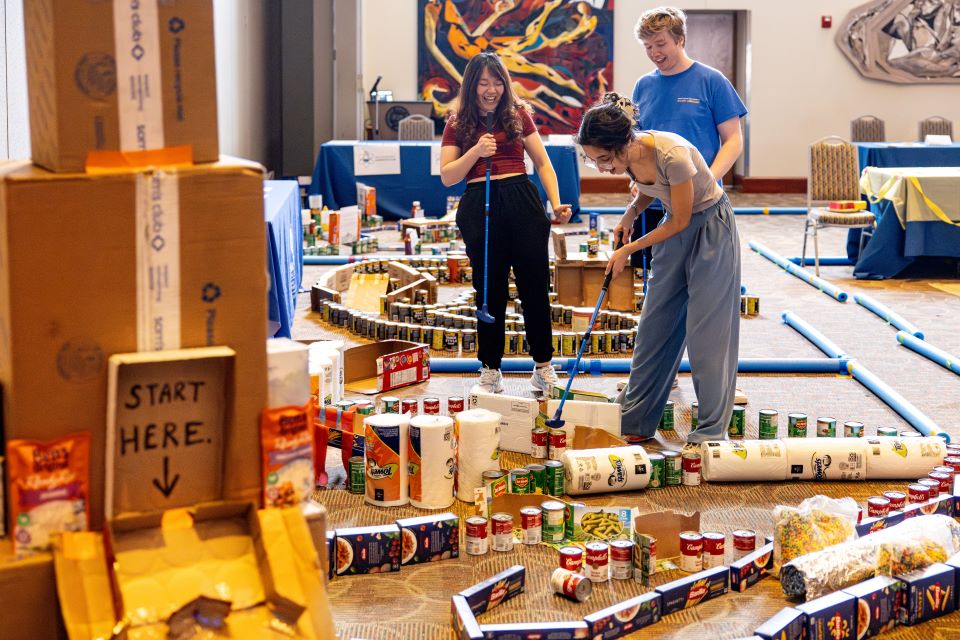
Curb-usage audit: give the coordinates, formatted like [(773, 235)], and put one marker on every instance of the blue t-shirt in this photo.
[(690, 103)]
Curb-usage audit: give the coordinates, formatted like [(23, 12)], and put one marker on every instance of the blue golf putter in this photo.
[(483, 314)]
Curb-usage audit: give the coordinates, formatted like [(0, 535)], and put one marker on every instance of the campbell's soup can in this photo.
[(410, 405), (553, 521), (691, 468), (952, 462), (917, 493), (621, 559), (945, 469), (540, 439), (454, 405), (478, 543), (431, 406), (942, 478), (933, 485), (744, 542), (571, 584), (558, 443), (571, 558), (714, 546), (877, 507), (597, 561), (531, 523), (502, 531), (898, 499), (691, 551)]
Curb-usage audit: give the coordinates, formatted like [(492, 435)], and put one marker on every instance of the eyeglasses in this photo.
[(596, 164)]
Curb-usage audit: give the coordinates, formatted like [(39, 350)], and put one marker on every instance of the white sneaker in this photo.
[(491, 380), (544, 379)]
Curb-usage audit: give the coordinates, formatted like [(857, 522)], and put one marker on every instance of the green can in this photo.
[(797, 425), (886, 431), (852, 429), (694, 415), (769, 424), (673, 468), (666, 420), (365, 408), (657, 471), (826, 427), (389, 404), (738, 424), (553, 521), (520, 481), (538, 478), (568, 518), (356, 482), (553, 482)]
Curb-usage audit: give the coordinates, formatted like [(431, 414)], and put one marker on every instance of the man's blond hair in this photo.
[(662, 19)]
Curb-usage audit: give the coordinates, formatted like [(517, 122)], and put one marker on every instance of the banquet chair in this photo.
[(936, 125), (867, 129), (415, 127), (833, 173)]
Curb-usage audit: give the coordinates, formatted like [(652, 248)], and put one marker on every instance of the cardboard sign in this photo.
[(165, 426)]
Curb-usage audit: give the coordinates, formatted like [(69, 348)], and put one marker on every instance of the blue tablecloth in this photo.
[(905, 154), (281, 208), (333, 178)]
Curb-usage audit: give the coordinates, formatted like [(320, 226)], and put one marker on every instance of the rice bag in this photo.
[(49, 489), (286, 445), (815, 524)]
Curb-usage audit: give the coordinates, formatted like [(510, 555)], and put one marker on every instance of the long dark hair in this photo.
[(469, 123), (608, 124)]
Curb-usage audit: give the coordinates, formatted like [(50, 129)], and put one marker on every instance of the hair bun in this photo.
[(610, 97)]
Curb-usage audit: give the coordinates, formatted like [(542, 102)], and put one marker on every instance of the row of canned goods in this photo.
[(769, 424), (606, 320), (545, 479), (432, 406), (537, 524), (699, 551), (568, 343), (749, 306), (938, 482)]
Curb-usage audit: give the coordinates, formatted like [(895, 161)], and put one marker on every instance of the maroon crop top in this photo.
[(509, 155)]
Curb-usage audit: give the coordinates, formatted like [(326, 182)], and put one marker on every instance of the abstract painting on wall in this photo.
[(559, 52), (909, 41)]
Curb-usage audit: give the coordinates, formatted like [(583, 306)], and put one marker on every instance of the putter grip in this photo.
[(489, 123)]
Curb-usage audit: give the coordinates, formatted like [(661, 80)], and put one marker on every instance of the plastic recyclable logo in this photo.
[(211, 292), (176, 24)]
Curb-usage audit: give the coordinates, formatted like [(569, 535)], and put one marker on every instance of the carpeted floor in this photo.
[(415, 603)]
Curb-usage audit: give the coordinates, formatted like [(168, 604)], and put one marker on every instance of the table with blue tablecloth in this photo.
[(334, 179), (918, 214), (281, 208)]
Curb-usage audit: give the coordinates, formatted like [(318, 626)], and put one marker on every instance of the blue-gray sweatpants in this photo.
[(693, 301)]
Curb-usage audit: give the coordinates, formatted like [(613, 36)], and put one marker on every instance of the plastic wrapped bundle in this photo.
[(913, 544), (817, 523)]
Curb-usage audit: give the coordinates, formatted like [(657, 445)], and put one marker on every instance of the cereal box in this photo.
[(488, 594), (787, 624), (363, 550), (929, 593), (831, 617), (691, 591), (429, 538), (878, 601), (286, 446), (625, 617)]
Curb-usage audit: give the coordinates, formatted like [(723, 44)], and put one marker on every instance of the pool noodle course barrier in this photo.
[(771, 211), (946, 360), (600, 366), (818, 283), (889, 316), (825, 261)]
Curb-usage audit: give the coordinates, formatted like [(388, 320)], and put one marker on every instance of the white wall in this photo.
[(802, 87), (15, 137)]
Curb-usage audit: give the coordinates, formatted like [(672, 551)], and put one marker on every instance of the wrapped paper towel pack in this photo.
[(431, 453), (478, 449)]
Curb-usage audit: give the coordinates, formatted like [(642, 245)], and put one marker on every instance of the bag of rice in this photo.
[(49, 489), (286, 443)]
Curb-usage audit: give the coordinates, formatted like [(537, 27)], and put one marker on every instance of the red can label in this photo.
[(691, 551), (878, 507), (558, 439), (943, 479), (431, 406), (714, 543), (744, 540), (502, 526), (454, 405), (409, 405), (897, 499), (530, 518), (953, 461), (598, 561), (476, 527), (571, 558), (621, 551), (917, 493)]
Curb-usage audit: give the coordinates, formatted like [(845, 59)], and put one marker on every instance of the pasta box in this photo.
[(786, 624), (870, 525), (486, 595), (331, 554), (429, 538), (955, 563), (692, 590), (363, 550), (748, 570), (831, 617), (572, 630), (461, 618), (878, 601), (384, 366), (625, 617), (929, 593)]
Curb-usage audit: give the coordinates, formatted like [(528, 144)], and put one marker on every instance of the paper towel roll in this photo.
[(385, 459), (744, 460), (890, 458), (332, 349), (826, 458), (431, 451), (478, 449), (603, 470)]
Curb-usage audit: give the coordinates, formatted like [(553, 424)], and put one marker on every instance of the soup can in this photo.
[(571, 584), (571, 558), (539, 438), (531, 523), (898, 499), (597, 561), (877, 506), (691, 468), (478, 541), (744, 542), (621, 559), (557, 443), (502, 531), (714, 547), (691, 551)]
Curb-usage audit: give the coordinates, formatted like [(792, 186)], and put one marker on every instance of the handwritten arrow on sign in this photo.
[(167, 487)]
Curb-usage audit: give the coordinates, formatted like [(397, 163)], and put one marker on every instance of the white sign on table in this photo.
[(434, 159), (376, 159)]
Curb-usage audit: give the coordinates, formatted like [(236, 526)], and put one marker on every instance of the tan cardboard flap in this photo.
[(666, 526), (559, 239), (83, 584), (593, 438)]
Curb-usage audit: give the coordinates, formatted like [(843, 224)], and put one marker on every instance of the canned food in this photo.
[(531, 523), (714, 547), (553, 520), (621, 559), (557, 443), (568, 517), (389, 404), (852, 429), (944, 480), (909, 434), (451, 339), (691, 468), (491, 475), (469, 340), (598, 342), (769, 426), (673, 468), (738, 424), (477, 540), (538, 478), (694, 415), (410, 405), (953, 462), (571, 558), (917, 493), (502, 531), (568, 315), (877, 506), (539, 438), (826, 427), (657, 471), (932, 485), (520, 481), (571, 585), (357, 483), (555, 343), (898, 499), (691, 551), (438, 338), (753, 305), (593, 247), (797, 425), (566, 344), (454, 405), (597, 561), (887, 431), (365, 408), (431, 406), (666, 420), (511, 342), (555, 477), (744, 542)]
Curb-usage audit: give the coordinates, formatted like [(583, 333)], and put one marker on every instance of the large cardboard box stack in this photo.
[(579, 279), (131, 76)]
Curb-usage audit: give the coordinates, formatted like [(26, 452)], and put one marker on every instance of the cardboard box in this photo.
[(787, 624), (54, 350), (28, 593), (750, 569), (344, 226), (625, 617), (878, 601), (362, 550), (666, 526), (493, 591), (572, 630), (429, 538), (518, 417), (598, 415), (693, 590), (76, 84), (465, 626), (578, 284), (831, 617), (384, 366), (929, 593)]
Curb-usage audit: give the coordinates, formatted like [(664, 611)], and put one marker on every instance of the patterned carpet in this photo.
[(415, 603)]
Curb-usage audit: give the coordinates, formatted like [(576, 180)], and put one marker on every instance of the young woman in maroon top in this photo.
[(519, 226)]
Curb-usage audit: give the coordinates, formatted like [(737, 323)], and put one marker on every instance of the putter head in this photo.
[(483, 315), (554, 423)]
